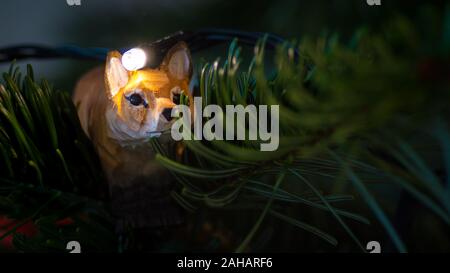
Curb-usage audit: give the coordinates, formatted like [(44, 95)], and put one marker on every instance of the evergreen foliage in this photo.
[(363, 123)]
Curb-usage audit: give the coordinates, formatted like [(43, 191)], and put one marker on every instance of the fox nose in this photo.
[(167, 113)]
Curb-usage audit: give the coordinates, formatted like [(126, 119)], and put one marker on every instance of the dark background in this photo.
[(119, 23)]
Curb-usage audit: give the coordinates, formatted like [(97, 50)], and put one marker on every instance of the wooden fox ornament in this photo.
[(120, 110)]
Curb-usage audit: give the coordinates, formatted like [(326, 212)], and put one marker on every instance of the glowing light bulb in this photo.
[(134, 59)]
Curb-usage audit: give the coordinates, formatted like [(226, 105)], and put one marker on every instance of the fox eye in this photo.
[(175, 95), (176, 98), (135, 99)]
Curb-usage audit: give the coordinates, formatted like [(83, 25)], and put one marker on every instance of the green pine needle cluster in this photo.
[(49, 172), (349, 112)]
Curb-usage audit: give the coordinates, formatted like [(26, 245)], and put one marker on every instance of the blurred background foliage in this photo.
[(365, 107), (117, 24)]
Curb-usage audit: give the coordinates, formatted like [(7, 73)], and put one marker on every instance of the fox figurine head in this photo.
[(141, 101)]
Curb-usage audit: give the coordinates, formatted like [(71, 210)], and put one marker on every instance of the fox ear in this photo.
[(116, 76), (178, 62)]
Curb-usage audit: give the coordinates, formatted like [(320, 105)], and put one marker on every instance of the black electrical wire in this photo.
[(196, 40)]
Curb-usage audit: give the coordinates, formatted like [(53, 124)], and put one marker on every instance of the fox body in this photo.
[(120, 110)]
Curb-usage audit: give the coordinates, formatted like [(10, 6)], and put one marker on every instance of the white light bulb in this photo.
[(134, 59)]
